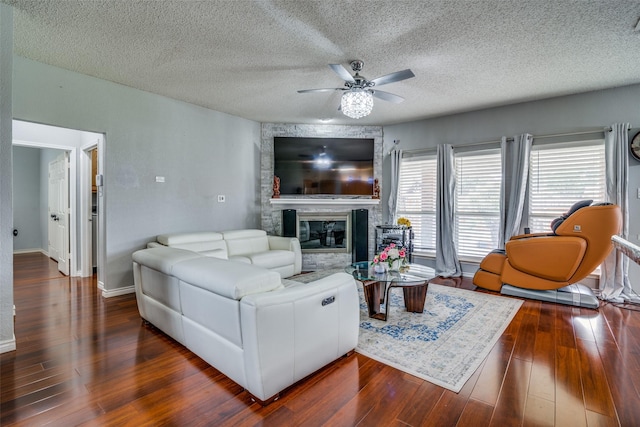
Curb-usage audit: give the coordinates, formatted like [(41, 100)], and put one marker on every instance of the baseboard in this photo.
[(106, 293), (8, 345), (31, 251)]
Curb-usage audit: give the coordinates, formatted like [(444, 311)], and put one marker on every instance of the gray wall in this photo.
[(200, 152), (27, 199), (7, 339), (575, 113)]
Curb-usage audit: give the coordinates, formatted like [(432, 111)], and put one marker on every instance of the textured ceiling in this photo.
[(248, 58)]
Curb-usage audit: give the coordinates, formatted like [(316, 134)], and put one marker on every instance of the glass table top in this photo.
[(410, 273)]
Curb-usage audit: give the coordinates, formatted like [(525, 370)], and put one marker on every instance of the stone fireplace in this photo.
[(320, 250)]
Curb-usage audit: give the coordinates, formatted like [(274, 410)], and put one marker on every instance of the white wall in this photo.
[(574, 113), (200, 152)]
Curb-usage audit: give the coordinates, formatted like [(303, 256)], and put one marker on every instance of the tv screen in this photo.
[(329, 166)]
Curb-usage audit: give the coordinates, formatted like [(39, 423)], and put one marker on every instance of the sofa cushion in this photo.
[(271, 259), (163, 258), (242, 242), (216, 253), (181, 238), (229, 279), (198, 242)]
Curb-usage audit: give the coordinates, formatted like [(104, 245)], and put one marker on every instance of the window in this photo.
[(562, 174), (417, 199), (477, 203)]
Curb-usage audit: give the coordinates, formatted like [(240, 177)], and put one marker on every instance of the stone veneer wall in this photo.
[(271, 218)]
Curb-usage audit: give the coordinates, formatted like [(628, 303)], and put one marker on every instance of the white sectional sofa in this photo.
[(281, 254), (242, 320)]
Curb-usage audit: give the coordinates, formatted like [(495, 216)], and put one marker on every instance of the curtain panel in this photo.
[(515, 173), (614, 279), (392, 203), (447, 262)]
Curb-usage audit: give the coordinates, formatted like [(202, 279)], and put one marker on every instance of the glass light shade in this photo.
[(356, 103)]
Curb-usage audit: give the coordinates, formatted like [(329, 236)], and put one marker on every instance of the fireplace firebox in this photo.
[(324, 232)]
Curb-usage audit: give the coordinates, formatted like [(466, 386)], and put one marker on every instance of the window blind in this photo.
[(417, 199), (561, 175), (477, 203)]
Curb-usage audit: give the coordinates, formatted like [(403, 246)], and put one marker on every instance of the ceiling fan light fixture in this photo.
[(356, 103)]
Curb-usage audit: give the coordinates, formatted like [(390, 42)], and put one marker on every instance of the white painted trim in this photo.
[(324, 202), (8, 345), (31, 251), (86, 269), (117, 292)]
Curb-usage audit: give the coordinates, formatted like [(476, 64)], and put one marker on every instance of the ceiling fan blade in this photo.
[(342, 72), (393, 77), (328, 89), (386, 96)]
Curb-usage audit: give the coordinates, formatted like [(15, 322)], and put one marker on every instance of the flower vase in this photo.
[(395, 265), (378, 268)]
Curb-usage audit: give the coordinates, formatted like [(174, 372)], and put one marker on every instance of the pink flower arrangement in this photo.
[(390, 254)]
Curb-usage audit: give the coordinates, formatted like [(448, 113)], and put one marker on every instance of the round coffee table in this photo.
[(413, 279)]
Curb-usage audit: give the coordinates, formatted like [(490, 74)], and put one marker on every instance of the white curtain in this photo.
[(515, 171), (614, 279), (447, 263), (396, 157)]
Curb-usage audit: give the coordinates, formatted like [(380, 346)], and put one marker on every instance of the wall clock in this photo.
[(635, 146)]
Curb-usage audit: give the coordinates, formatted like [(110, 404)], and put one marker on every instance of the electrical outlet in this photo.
[(638, 192), (159, 178), (221, 198)]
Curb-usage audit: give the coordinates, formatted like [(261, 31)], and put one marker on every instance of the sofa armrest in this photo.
[(526, 236), (288, 244), (291, 333), (550, 257)]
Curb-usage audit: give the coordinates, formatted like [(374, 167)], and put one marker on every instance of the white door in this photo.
[(59, 212)]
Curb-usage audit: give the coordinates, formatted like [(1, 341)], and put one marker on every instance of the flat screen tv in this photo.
[(324, 166)]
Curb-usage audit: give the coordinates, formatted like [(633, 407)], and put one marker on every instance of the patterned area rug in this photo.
[(446, 343)]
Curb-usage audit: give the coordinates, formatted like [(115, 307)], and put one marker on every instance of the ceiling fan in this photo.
[(357, 99)]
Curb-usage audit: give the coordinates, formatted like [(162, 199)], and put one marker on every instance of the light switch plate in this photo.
[(221, 198)]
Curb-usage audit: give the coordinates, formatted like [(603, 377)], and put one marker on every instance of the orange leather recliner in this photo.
[(580, 241)]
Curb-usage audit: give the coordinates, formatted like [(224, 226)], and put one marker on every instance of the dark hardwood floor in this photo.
[(85, 360)]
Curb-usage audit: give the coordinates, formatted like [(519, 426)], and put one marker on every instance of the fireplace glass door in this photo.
[(324, 234)]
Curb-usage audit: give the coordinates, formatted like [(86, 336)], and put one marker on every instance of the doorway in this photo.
[(78, 144)]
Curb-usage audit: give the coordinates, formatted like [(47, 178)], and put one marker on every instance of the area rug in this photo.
[(443, 345)]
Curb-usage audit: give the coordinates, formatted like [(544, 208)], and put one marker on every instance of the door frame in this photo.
[(73, 232), (85, 210)]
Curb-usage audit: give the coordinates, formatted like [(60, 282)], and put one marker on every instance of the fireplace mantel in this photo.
[(299, 201)]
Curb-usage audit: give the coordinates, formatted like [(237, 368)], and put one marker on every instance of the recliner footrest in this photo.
[(494, 261)]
